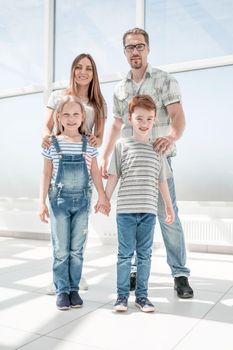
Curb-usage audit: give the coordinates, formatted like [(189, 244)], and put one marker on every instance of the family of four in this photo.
[(148, 119)]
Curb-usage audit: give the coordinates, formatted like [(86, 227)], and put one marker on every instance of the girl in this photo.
[(84, 83), (68, 164)]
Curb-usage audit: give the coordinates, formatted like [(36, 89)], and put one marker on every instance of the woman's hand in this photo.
[(46, 141), (94, 141)]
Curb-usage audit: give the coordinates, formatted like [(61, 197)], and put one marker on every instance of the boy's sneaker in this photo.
[(121, 304), (63, 301), (144, 304), (75, 300)]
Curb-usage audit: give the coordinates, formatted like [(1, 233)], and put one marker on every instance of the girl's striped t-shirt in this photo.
[(68, 147)]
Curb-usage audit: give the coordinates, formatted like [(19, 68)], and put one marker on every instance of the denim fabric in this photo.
[(69, 206), (173, 236), (135, 232)]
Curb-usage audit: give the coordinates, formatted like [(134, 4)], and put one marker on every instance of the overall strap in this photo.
[(84, 141), (56, 144)]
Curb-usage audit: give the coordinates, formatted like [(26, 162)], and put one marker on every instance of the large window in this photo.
[(204, 166), (187, 30), (95, 27), (20, 157), (21, 44)]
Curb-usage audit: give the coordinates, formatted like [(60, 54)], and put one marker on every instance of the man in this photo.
[(164, 89)]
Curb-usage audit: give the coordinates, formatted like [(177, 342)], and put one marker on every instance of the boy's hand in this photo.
[(46, 141), (170, 215), (44, 213)]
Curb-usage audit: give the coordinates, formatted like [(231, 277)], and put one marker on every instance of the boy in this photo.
[(143, 173)]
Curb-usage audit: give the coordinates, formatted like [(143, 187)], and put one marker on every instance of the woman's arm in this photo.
[(48, 127), (44, 187), (96, 139)]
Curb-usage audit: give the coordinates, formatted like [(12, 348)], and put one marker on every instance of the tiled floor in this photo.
[(30, 320)]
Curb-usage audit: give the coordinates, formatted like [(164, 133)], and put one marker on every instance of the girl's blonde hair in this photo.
[(66, 99), (95, 96)]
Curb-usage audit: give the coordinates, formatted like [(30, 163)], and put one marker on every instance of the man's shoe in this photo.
[(144, 304), (133, 277), (182, 287), (63, 301), (83, 284), (75, 300), (121, 304), (50, 289)]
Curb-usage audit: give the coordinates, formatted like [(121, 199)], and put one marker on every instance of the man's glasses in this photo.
[(138, 47)]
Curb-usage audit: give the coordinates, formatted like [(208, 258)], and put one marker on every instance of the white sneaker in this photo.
[(83, 284), (50, 290)]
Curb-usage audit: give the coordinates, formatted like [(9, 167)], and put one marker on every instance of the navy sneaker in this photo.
[(63, 301), (182, 286), (144, 304), (75, 300), (121, 304)]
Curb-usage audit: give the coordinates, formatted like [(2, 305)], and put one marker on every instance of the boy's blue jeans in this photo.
[(135, 233)]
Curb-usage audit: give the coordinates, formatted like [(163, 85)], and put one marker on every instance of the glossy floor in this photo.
[(30, 320)]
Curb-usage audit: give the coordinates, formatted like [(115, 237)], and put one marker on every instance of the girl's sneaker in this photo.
[(121, 304), (75, 300), (144, 304), (63, 301)]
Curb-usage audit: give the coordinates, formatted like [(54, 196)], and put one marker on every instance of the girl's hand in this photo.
[(93, 140), (46, 141), (103, 206), (44, 213), (170, 215)]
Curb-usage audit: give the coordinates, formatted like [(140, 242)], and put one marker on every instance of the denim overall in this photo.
[(69, 203)]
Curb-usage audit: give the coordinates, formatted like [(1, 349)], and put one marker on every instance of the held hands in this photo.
[(43, 213), (162, 144), (103, 205), (170, 215)]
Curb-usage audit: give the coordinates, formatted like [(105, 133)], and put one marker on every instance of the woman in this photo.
[(84, 83)]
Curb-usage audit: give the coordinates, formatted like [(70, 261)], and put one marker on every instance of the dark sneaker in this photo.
[(121, 304), (182, 287), (133, 277), (63, 301), (75, 300), (144, 304)]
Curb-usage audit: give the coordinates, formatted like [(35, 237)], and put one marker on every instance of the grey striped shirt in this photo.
[(140, 169)]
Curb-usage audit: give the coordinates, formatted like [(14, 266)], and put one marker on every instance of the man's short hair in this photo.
[(136, 31)]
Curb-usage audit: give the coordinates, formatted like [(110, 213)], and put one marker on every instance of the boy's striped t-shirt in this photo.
[(68, 147), (140, 169)]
